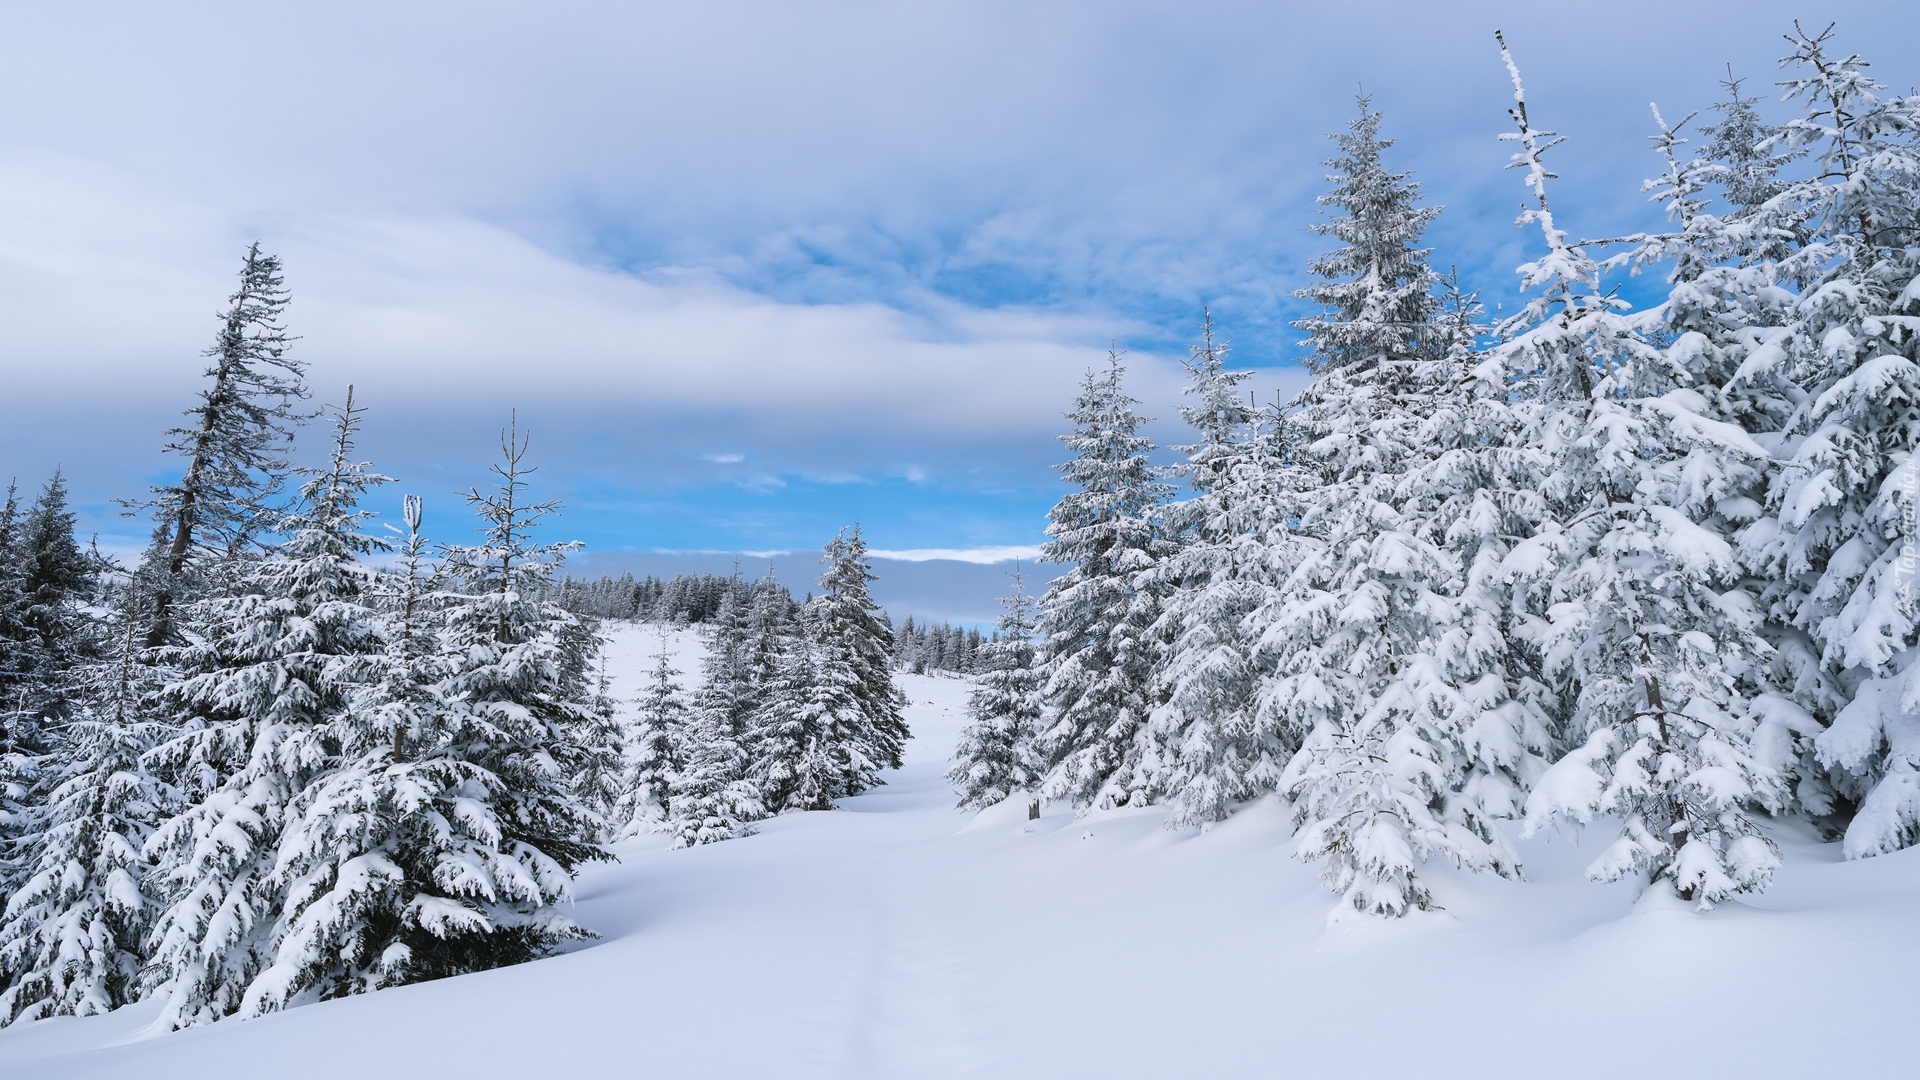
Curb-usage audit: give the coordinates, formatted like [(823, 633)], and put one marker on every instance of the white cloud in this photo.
[(442, 323), (983, 555), (828, 238)]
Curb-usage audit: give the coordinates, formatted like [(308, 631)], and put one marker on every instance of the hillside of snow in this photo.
[(899, 937)]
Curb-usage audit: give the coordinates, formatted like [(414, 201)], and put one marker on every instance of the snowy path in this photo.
[(898, 937)]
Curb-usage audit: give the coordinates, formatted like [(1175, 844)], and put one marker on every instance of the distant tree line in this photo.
[(937, 646), (698, 599), (682, 598)]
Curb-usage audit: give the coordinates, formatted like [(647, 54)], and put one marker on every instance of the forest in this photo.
[(285, 757), (1647, 571)]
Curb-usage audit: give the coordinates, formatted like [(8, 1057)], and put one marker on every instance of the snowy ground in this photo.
[(898, 937)]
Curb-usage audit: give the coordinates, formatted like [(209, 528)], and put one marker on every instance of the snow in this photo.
[(901, 937)]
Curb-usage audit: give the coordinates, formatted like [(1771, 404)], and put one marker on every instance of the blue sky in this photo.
[(752, 271)]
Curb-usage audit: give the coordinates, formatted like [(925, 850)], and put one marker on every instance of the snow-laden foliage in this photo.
[(1211, 745), (1377, 674), (713, 796), (1654, 566), (815, 743), (856, 641), (655, 752), (797, 707), (1636, 604), (378, 798), (598, 778), (49, 635), (73, 934), (1837, 541), (996, 757), (235, 444), (267, 674), (1097, 653)]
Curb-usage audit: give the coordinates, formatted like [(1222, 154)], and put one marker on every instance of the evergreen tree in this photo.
[(856, 643), (996, 757), (770, 626), (234, 442), (406, 694), (57, 579), (1097, 656), (520, 718), (1727, 306), (268, 676), (1630, 565), (1473, 493), (908, 648), (714, 797), (16, 634), (597, 780), (839, 757), (1742, 147), (47, 632), (656, 752), (1210, 741), (1836, 544), (811, 747), (1364, 675), (72, 938)]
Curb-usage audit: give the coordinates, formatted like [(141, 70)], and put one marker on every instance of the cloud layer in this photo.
[(750, 270)]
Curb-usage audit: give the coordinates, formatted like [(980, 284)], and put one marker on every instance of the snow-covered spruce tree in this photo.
[(268, 674), (46, 629), (843, 759), (19, 749), (1210, 748), (369, 842), (1726, 306), (771, 626), (405, 691), (1640, 617), (57, 582), (519, 715), (786, 731), (234, 442), (812, 745), (856, 640), (714, 796), (1837, 544), (787, 763), (1746, 161), (1369, 672), (1097, 657), (656, 751), (47, 633), (14, 635), (597, 778), (996, 758), (73, 936), (1473, 492)]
